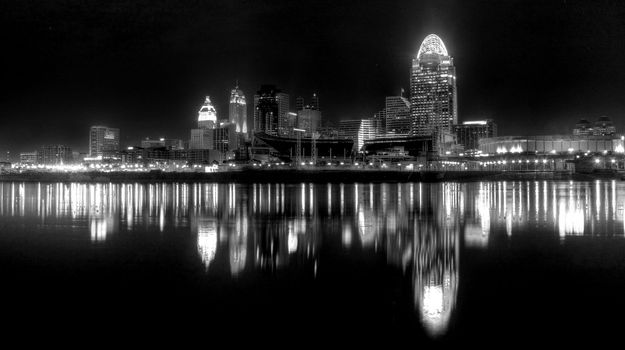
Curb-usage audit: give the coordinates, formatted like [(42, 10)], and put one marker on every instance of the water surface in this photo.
[(466, 263)]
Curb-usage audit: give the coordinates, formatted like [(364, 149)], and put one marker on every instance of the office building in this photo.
[(433, 101), (54, 155), (314, 103), (308, 119), (397, 114), (162, 142), (271, 108), (201, 138), (469, 133), (103, 141), (28, 157), (299, 103), (602, 127), (358, 130), (225, 138), (237, 113)]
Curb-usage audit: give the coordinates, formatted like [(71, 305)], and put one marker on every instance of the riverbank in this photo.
[(297, 176)]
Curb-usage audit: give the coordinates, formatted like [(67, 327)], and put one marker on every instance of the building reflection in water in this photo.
[(267, 227)]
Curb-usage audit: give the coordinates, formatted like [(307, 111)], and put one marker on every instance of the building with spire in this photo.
[(202, 137), (207, 115), (237, 113)]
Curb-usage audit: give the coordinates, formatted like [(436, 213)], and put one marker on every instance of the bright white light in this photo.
[(432, 44), (207, 111)]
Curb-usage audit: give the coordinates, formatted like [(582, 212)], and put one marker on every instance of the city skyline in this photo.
[(61, 98)]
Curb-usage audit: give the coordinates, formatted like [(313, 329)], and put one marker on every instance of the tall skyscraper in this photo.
[(271, 108), (207, 116), (103, 141), (314, 103), (397, 110), (238, 110), (299, 103), (202, 137), (433, 102)]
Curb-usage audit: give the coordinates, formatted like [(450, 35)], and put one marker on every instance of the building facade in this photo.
[(551, 144), (103, 141), (433, 97), (162, 142), (54, 155), (359, 130), (469, 133), (201, 138), (397, 114), (225, 138), (237, 113), (28, 157), (271, 108), (309, 119), (603, 126)]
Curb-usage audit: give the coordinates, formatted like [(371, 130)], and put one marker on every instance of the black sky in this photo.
[(145, 66)]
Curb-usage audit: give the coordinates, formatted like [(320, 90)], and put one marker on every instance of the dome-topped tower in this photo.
[(433, 97), (207, 116)]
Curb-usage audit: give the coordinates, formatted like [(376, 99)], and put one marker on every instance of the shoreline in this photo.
[(301, 175)]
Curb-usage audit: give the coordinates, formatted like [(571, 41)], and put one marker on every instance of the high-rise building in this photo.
[(309, 119), (358, 130), (201, 139), (271, 108), (225, 139), (433, 101), (238, 110), (54, 155), (103, 141), (469, 133), (397, 111), (299, 103), (379, 120), (207, 115), (314, 103)]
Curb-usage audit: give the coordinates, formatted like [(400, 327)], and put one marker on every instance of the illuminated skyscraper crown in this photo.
[(432, 44), (236, 96), (207, 111)]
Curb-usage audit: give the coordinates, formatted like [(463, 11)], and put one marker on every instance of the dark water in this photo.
[(494, 263)]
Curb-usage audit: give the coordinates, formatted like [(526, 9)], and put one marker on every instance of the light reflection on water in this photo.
[(420, 228)]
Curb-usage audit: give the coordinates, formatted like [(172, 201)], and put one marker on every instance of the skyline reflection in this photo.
[(242, 229)]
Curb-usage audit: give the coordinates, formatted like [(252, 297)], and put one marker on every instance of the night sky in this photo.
[(536, 67)]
